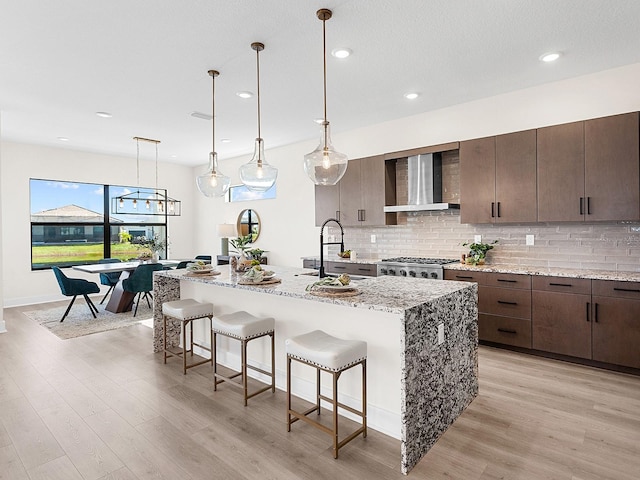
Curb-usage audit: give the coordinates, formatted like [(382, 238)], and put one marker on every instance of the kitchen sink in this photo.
[(336, 275)]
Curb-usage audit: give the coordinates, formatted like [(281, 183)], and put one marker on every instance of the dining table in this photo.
[(120, 300)]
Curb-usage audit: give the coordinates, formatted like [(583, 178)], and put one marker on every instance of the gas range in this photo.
[(414, 267)]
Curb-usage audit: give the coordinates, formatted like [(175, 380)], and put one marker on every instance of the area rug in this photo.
[(79, 321)]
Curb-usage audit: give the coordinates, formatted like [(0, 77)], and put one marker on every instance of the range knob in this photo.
[(434, 275), (403, 273), (424, 274), (392, 271), (412, 273), (383, 271)]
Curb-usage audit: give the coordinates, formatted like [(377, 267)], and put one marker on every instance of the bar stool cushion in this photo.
[(325, 351), (187, 309), (242, 325)]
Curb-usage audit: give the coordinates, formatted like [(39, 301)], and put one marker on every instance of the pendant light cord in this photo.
[(324, 53), (258, 72), (138, 162)]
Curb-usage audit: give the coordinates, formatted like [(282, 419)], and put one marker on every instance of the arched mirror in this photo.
[(249, 223)]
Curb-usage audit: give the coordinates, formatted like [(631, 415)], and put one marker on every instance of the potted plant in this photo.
[(150, 248), (241, 246), (478, 252)]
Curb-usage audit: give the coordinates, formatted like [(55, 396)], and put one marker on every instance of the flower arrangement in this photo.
[(241, 244), (478, 252), (149, 246)]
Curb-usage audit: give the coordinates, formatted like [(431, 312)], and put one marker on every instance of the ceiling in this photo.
[(146, 63)]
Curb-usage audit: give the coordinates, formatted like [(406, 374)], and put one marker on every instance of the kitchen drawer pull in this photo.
[(362, 269), (465, 277), (507, 330), (635, 290), (339, 267), (503, 302), (560, 284), (507, 280)]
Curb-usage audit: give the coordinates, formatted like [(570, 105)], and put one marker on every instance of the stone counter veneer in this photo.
[(437, 381), (549, 271)]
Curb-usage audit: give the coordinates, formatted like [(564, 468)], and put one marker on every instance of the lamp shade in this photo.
[(213, 183), (258, 175), (325, 165), (227, 230)]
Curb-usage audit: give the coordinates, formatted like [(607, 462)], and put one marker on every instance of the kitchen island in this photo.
[(418, 383)]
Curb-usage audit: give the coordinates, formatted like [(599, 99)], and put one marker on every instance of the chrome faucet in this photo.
[(321, 273)]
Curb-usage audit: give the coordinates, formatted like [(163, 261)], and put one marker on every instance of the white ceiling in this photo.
[(146, 62)]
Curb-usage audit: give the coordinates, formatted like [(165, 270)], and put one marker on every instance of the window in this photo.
[(71, 224)]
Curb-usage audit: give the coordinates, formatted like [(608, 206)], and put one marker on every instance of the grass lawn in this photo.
[(82, 252)]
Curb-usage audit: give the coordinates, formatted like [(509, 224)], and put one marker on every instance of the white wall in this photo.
[(288, 221), (20, 162), (2, 322)]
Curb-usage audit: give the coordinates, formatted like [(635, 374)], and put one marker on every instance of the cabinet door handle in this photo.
[(636, 290), (507, 330), (492, 209), (595, 313), (581, 205), (588, 305), (364, 215), (498, 209), (507, 280), (588, 205), (503, 302), (560, 284)]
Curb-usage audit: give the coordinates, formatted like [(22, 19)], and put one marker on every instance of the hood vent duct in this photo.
[(424, 185)]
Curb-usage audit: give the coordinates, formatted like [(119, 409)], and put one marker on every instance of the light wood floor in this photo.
[(105, 407)]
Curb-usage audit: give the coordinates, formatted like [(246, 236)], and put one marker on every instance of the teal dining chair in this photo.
[(110, 279), (72, 287), (141, 283)]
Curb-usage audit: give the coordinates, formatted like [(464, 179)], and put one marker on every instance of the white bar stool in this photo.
[(334, 355), (186, 311), (244, 327)]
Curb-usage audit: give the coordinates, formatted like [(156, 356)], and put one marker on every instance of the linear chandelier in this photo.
[(145, 201)]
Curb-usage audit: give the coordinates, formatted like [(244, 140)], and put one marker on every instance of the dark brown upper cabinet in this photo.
[(590, 170), (360, 196), (498, 179)]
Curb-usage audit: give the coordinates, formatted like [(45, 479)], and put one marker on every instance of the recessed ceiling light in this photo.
[(244, 94), (225, 140), (104, 114), (63, 139), (341, 52), (203, 116), (411, 95), (550, 56)]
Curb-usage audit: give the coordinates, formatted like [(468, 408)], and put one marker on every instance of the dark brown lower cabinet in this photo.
[(562, 323), (616, 322)]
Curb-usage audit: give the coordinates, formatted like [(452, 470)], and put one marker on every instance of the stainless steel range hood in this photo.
[(424, 185)]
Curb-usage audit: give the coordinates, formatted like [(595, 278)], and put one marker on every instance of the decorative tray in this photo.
[(266, 281), (335, 294), (202, 273)]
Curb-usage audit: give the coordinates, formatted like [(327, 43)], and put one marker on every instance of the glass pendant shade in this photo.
[(325, 165), (258, 175), (213, 183)]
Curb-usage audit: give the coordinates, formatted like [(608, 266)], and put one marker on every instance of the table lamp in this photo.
[(225, 231)]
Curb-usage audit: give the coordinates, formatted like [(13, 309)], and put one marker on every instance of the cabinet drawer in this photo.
[(506, 330), (562, 284), (310, 263), (464, 276), (610, 288), (509, 302), (507, 280), (366, 269)]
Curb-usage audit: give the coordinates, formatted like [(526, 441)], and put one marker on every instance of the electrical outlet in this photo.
[(529, 240), (477, 239), (373, 239), (440, 333)]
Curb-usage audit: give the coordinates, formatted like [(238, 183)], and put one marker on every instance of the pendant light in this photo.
[(258, 175), (325, 165), (213, 183)]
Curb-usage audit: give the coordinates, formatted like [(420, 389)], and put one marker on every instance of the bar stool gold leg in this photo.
[(214, 353), (185, 325), (244, 371), (273, 363), (335, 414), (364, 398), (164, 337), (288, 393)]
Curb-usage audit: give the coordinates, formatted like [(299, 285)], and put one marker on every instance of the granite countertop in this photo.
[(549, 271), (336, 258), (385, 294)]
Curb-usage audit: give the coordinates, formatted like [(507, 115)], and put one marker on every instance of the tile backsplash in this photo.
[(600, 246)]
